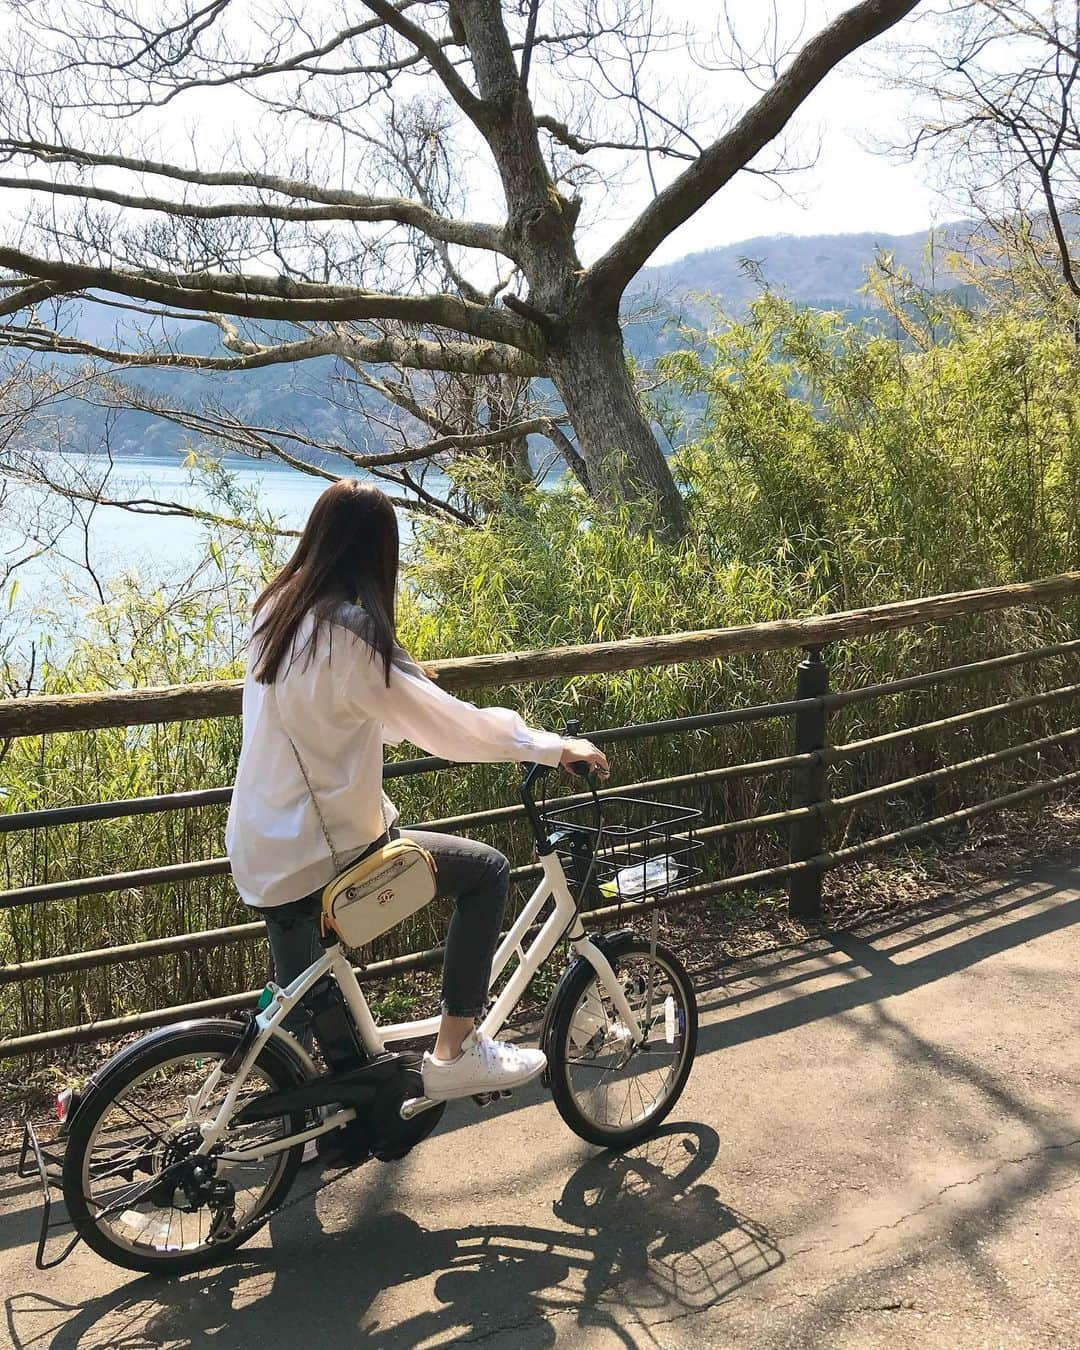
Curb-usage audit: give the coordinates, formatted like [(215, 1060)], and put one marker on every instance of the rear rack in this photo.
[(643, 848)]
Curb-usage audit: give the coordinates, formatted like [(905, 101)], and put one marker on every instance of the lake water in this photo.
[(159, 549)]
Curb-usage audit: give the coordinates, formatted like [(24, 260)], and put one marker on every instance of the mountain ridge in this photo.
[(805, 267), (825, 270)]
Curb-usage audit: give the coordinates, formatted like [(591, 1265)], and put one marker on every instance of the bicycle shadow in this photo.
[(637, 1233)]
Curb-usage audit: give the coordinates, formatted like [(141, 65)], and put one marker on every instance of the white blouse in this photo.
[(339, 712)]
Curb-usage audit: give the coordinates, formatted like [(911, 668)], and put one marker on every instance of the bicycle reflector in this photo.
[(66, 1103)]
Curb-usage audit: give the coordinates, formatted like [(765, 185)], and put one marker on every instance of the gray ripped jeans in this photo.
[(477, 878)]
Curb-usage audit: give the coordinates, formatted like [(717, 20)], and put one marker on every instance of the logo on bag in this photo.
[(384, 897)]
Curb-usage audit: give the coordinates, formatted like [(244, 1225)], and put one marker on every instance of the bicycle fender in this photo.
[(301, 1061), (604, 941)]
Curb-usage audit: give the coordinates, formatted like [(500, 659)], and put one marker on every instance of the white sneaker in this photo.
[(484, 1065)]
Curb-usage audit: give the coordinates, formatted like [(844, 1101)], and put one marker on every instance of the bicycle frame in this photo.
[(563, 920)]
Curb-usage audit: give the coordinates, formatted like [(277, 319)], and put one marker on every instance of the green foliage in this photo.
[(839, 465), (942, 456)]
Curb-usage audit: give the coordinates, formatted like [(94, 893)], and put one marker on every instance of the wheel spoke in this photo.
[(141, 1217)]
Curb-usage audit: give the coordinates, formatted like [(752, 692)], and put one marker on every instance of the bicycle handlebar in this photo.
[(532, 775)]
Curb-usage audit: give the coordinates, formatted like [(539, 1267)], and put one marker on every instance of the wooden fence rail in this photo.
[(49, 714)]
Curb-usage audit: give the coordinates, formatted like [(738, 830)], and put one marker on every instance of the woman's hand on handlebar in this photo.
[(581, 756)]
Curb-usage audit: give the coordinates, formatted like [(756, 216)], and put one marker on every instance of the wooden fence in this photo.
[(811, 758)]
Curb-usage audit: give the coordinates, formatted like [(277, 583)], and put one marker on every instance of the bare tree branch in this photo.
[(467, 234), (25, 295), (430, 48), (389, 348), (1001, 77), (719, 163), (584, 146), (261, 297), (230, 430)]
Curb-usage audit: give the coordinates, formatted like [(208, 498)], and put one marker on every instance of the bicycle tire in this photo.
[(211, 1038), (568, 997)]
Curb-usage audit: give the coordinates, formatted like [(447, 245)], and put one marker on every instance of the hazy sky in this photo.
[(850, 188)]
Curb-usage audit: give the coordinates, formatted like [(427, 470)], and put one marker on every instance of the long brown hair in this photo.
[(347, 552)]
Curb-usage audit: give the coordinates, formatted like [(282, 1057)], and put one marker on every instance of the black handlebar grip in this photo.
[(581, 767)]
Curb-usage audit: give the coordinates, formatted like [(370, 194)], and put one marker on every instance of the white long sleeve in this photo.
[(414, 708), (338, 712)]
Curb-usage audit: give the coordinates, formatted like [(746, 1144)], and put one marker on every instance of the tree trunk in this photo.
[(624, 460)]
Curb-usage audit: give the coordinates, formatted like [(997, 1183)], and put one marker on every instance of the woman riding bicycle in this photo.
[(326, 687)]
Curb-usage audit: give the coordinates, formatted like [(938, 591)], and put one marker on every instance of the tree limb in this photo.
[(400, 210), (298, 62), (424, 43), (48, 340), (398, 393), (228, 428), (574, 461), (142, 506), (269, 297), (582, 146), (26, 296), (606, 280), (467, 358)]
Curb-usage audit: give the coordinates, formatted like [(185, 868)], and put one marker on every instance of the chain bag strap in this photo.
[(335, 856), (382, 888)]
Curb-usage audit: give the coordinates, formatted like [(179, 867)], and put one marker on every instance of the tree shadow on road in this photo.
[(639, 1237), (856, 977)]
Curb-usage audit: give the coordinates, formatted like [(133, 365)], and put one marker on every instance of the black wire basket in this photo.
[(643, 848)]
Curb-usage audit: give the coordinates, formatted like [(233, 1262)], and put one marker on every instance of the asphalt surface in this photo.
[(878, 1146)]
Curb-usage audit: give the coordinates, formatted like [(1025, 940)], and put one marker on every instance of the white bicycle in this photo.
[(185, 1143)]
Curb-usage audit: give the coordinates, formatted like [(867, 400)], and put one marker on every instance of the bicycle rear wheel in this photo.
[(129, 1176), (608, 1090)]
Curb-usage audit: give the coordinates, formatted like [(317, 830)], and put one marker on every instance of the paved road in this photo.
[(878, 1147)]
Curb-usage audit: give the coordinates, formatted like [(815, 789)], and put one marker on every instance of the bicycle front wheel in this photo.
[(608, 1089)]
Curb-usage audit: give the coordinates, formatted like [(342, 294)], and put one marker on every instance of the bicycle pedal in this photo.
[(486, 1098), (413, 1106)]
